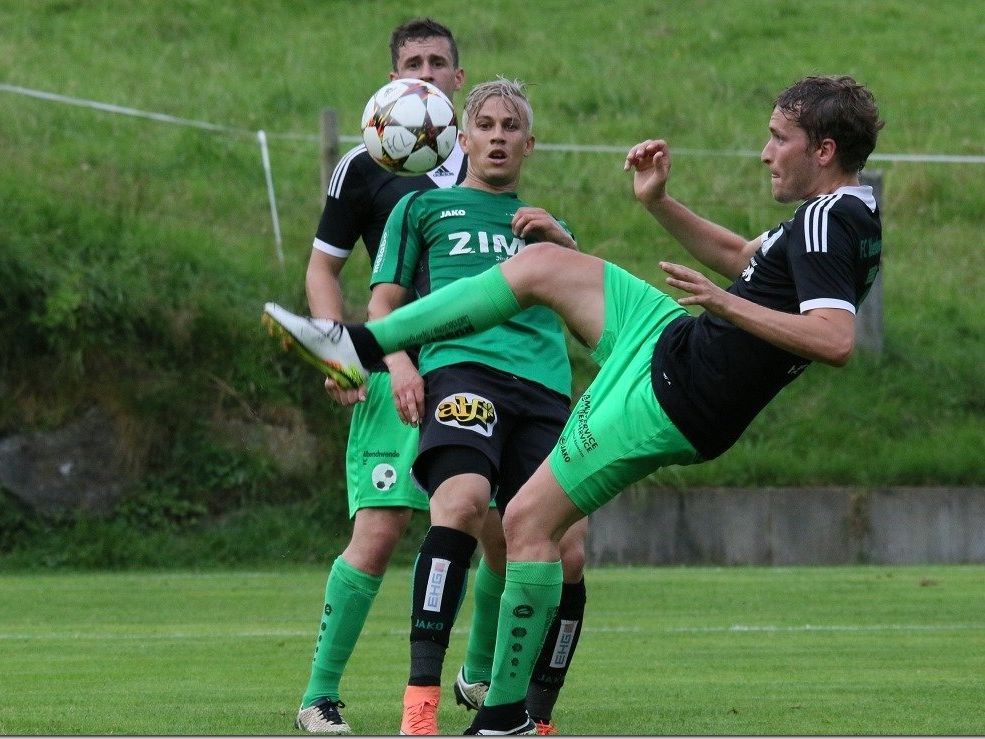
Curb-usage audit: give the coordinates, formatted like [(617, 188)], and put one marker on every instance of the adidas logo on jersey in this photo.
[(442, 171)]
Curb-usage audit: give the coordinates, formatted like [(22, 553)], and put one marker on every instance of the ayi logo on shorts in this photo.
[(467, 411)]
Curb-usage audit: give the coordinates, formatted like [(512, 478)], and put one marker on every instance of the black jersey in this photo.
[(712, 377), (361, 195)]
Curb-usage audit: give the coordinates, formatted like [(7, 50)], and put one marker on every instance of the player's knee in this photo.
[(372, 553), (532, 269), (493, 544), (463, 512), (520, 523)]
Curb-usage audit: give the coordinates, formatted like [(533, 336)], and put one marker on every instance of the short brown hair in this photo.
[(838, 108), (416, 29)]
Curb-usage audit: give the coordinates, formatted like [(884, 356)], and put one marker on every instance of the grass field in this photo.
[(801, 651)]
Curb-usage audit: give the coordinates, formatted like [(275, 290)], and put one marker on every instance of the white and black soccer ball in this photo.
[(384, 477), (409, 126)]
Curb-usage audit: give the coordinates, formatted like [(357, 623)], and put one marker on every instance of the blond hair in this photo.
[(514, 92)]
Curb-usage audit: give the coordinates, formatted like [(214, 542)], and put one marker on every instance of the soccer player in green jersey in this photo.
[(361, 195), (494, 403), (672, 388)]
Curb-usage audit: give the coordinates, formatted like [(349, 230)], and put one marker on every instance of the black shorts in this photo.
[(514, 422)]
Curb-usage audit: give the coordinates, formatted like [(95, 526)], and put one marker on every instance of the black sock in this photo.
[(555, 657), (367, 347), (426, 660), (440, 576)]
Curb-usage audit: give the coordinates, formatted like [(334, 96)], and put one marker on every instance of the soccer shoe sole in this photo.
[(333, 731), (347, 378)]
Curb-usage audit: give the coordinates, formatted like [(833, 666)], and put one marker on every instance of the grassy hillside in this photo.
[(135, 254)]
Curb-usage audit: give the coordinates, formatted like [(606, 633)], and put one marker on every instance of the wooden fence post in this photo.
[(868, 322), (329, 146)]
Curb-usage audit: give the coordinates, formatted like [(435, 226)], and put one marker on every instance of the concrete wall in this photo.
[(795, 526)]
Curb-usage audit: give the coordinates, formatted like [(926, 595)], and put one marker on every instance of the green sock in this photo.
[(530, 600), (349, 593), (465, 306), (485, 619)]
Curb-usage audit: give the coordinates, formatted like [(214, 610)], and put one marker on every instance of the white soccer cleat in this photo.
[(322, 717), (323, 343), (469, 694)]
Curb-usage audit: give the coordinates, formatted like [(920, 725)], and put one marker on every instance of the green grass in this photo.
[(136, 254), (789, 651)]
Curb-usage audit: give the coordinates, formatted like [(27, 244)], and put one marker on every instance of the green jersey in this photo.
[(434, 237)]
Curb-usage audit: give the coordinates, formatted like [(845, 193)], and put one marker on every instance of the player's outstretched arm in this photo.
[(716, 247)]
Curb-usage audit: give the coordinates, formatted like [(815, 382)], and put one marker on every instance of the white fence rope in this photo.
[(109, 108), (939, 158), (268, 175), (261, 137)]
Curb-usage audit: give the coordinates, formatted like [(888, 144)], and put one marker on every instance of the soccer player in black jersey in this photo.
[(382, 495), (672, 388)]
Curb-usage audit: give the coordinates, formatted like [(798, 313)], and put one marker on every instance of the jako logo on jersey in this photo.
[(450, 213), (436, 584), (467, 411), (484, 243)]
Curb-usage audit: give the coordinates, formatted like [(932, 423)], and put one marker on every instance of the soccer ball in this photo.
[(409, 127)]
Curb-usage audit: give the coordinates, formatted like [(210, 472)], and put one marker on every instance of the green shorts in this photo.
[(618, 433), (380, 452)]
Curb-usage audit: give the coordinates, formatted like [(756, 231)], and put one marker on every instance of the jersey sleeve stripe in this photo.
[(404, 230), (332, 251), (808, 221), (338, 174), (827, 303), (824, 221), (816, 223)]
